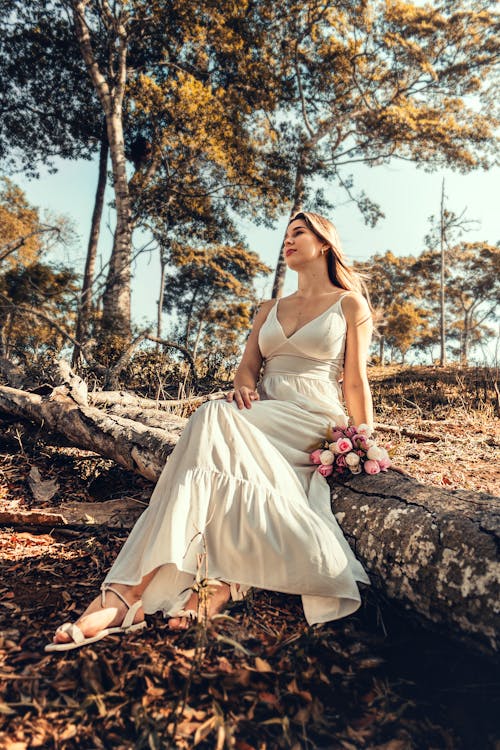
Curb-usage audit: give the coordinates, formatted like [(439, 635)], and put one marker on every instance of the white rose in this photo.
[(333, 447), (377, 454), (355, 469), (326, 458), (364, 429), (352, 459)]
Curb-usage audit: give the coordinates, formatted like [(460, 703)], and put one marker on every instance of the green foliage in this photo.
[(43, 289), (229, 109), (405, 294), (36, 299), (47, 102), (20, 238), (210, 291)]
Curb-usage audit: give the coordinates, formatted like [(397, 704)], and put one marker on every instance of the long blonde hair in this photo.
[(339, 272)]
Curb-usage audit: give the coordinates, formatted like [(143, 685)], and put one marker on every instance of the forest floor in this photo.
[(258, 678)]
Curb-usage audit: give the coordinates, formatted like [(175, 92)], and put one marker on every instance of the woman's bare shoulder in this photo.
[(355, 306), (264, 306), (262, 310)]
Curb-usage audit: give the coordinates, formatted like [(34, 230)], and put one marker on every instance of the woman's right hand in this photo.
[(243, 396)]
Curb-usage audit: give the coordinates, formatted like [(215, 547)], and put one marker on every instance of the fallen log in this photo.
[(149, 417), (121, 513), (124, 398), (135, 446), (431, 551)]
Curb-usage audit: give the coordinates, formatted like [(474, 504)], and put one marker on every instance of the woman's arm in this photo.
[(357, 394), (245, 379)]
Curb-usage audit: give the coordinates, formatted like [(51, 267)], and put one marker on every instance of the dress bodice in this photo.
[(305, 367), (315, 350)]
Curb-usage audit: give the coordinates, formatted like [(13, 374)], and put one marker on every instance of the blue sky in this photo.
[(407, 196)]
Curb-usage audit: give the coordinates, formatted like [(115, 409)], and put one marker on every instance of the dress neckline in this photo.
[(313, 320)]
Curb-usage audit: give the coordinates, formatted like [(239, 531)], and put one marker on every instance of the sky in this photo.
[(407, 195)]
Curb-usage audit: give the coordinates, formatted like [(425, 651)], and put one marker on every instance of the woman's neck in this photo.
[(314, 284)]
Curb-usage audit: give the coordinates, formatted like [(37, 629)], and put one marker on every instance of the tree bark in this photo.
[(82, 324), (116, 297), (117, 294), (442, 310), (129, 443), (429, 551), (161, 295), (381, 350)]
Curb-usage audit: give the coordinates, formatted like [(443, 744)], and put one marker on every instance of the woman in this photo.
[(239, 496)]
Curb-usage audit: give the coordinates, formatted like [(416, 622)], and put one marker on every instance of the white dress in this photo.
[(239, 485)]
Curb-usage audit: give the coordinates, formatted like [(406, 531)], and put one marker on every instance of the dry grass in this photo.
[(458, 406)]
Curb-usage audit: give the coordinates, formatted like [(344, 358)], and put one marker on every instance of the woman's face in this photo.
[(301, 244)]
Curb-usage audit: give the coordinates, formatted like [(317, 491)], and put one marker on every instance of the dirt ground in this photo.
[(259, 677)]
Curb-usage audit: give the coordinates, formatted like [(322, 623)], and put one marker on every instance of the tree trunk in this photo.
[(4, 326), (442, 321), (298, 198), (466, 337), (129, 443), (82, 324), (427, 550), (116, 297), (111, 91), (197, 339), (163, 266), (381, 350)]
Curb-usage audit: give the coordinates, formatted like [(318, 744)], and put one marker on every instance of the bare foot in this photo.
[(96, 618), (218, 598)]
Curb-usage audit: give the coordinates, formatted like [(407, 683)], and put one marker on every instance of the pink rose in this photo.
[(337, 435), (314, 457), (340, 461), (360, 441), (325, 471), (384, 463), (371, 467), (344, 445), (351, 431)]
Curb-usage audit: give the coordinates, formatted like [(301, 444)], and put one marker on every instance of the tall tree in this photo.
[(391, 286), (109, 82), (169, 106), (49, 108), (373, 81), (445, 231), (473, 291)]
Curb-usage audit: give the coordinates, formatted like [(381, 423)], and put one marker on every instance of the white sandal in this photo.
[(78, 638)]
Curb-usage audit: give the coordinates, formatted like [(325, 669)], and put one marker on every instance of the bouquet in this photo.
[(350, 450)]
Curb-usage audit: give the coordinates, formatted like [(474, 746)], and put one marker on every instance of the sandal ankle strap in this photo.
[(131, 608)]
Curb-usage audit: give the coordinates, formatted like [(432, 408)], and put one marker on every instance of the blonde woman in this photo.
[(239, 494)]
